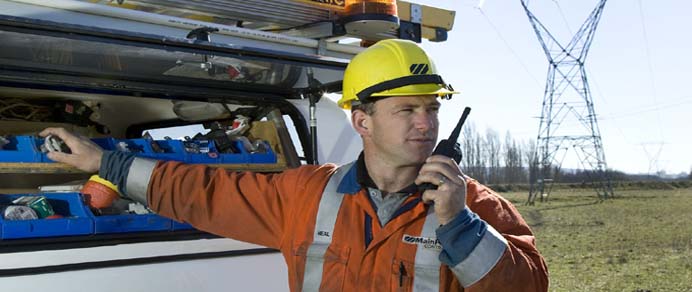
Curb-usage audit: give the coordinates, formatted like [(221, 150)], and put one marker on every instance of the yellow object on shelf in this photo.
[(99, 193)]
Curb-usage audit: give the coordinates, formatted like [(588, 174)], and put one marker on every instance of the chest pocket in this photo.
[(424, 273), (407, 276)]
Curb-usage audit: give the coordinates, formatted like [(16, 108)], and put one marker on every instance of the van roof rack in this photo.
[(305, 18)]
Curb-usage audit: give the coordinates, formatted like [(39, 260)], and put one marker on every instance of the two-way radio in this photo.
[(448, 147)]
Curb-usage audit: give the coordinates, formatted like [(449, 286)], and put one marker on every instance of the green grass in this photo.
[(639, 241)]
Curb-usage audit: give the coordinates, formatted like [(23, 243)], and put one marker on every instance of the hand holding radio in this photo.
[(448, 147), (440, 178)]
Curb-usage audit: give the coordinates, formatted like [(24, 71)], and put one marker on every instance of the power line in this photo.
[(650, 67), (656, 108), (509, 47), (564, 19), (600, 97)]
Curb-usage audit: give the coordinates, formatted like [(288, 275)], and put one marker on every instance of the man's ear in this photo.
[(361, 122)]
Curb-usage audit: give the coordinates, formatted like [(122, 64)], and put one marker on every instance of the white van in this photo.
[(232, 84)]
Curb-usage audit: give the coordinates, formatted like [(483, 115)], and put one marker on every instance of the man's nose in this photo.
[(425, 121)]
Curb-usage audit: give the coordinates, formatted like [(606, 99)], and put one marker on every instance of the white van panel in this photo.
[(17, 260), (263, 272), (337, 141)]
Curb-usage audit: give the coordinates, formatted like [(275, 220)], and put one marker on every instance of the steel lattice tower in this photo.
[(568, 120)]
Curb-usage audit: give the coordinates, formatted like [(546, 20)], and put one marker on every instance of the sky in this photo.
[(638, 69)]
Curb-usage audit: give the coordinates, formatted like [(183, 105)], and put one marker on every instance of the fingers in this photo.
[(439, 170), (435, 178), (46, 132), (86, 155), (89, 163), (60, 132), (61, 157), (69, 138), (450, 195), (429, 196), (73, 141), (442, 164)]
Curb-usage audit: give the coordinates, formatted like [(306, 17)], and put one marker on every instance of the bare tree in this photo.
[(467, 148), (513, 167), (479, 164), (492, 150), (474, 155), (531, 154)]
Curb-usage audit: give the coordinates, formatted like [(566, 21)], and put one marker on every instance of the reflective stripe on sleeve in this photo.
[(138, 178), (427, 262), (482, 259), (324, 229)]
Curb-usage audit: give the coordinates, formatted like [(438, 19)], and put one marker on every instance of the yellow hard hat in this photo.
[(391, 67)]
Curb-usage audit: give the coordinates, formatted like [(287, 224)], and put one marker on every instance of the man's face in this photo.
[(403, 129)]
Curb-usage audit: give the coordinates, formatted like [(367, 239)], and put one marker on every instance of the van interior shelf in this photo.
[(58, 168)]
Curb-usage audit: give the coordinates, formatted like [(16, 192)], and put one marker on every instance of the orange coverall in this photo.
[(279, 211)]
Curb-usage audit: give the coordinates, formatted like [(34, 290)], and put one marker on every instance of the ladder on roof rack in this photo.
[(303, 18)]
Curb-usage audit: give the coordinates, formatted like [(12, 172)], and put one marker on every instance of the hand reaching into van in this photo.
[(86, 155)]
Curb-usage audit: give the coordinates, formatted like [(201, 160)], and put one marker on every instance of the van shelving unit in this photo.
[(23, 155), (25, 158), (125, 85)]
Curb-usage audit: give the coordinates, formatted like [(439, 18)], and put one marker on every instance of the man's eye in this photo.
[(433, 109)]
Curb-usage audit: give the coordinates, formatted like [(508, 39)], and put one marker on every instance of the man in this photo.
[(364, 226)]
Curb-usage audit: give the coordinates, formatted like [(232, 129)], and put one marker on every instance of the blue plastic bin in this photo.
[(139, 147), (173, 150), (20, 149), (180, 226), (269, 157), (75, 221), (211, 156), (129, 223), (231, 158), (105, 143)]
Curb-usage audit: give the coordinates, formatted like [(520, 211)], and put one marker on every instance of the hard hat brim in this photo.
[(439, 93)]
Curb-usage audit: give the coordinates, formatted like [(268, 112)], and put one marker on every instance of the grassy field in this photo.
[(640, 241)]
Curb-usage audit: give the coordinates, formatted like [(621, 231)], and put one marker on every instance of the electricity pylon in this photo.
[(568, 120)]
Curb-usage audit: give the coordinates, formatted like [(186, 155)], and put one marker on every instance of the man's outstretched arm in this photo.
[(247, 206)]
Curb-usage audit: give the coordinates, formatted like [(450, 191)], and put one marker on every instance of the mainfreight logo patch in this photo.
[(426, 242)]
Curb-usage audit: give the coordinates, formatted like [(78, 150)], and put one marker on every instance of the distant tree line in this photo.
[(493, 160)]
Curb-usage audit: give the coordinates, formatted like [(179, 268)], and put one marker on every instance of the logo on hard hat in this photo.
[(417, 69)]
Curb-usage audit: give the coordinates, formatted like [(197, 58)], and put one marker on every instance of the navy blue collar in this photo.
[(349, 184), (357, 177)]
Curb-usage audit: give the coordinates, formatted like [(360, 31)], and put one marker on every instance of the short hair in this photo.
[(368, 107)]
